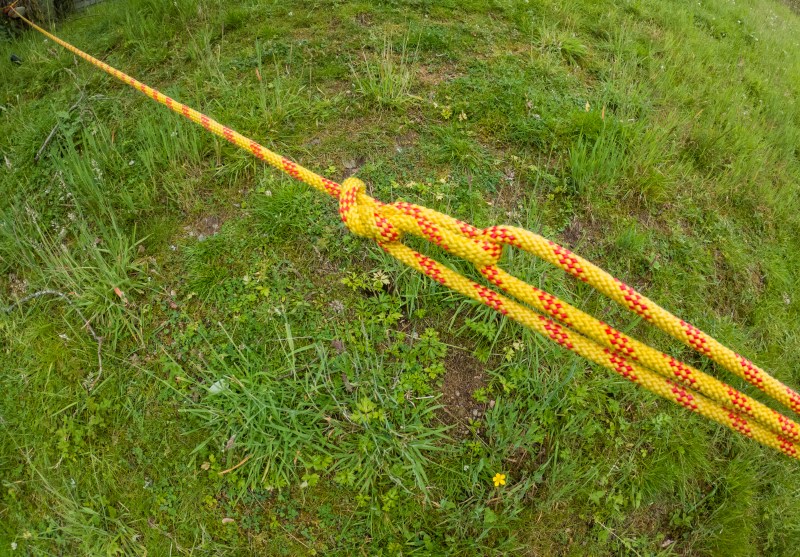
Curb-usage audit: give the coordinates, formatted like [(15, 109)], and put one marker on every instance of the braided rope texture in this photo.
[(566, 325)]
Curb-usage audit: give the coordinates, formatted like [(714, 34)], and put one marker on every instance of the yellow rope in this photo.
[(577, 331)]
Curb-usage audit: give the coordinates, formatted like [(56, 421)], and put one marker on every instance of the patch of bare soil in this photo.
[(573, 233), (463, 377), (17, 285), (204, 227), (582, 230)]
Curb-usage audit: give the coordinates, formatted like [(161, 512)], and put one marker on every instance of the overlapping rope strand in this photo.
[(386, 223)]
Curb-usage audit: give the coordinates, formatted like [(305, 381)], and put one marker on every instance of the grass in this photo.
[(384, 81), (274, 385)]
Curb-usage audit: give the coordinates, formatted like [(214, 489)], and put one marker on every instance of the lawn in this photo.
[(269, 383)]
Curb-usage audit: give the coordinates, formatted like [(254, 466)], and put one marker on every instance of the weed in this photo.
[(551, 39), (280, 99), (100, 269), (91, 525), (451, 145), (596, 164), (384, 80)]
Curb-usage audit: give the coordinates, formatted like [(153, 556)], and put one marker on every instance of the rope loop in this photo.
[(364, 215), (386, 223)]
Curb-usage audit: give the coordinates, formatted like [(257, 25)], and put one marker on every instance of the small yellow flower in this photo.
[(499, 479)]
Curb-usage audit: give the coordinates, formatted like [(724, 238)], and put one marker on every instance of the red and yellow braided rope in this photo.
[(575, 330)]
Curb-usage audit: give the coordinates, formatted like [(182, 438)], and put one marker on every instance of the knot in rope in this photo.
[(363, 214), (386, 223)]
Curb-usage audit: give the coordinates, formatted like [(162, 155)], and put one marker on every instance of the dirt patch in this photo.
[(526, 461), (652, 520), (463, 377), (17, 285), (758, 277), (204, 227), (573, 233), (407, 140), (509, 197), (582, 230), (352, 166), (363, 18), (433, 75)]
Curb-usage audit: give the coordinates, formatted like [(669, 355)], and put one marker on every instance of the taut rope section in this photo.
[(575, 330)]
